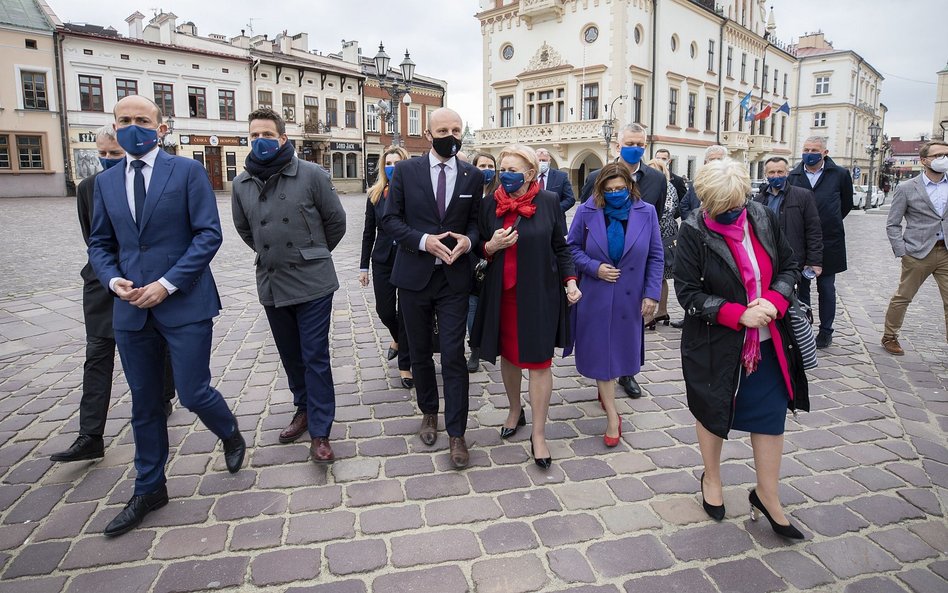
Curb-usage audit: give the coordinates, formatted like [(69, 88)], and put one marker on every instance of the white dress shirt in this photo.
[(149, 160), (451, 178), (814, 176), (938, 194)]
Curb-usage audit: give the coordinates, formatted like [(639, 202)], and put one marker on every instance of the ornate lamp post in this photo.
[(396, 89), (608, 126), (874, 130), (167, 144)]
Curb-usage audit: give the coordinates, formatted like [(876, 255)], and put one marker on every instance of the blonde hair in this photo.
[(659, 165), (721, 186), (521, 151), (381, 181)]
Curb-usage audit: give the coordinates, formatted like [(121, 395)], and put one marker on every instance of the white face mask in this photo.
[(544, 166), (940, 164)]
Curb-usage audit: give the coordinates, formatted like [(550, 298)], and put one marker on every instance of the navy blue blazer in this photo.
[(411, 211), (558, 182), (178, 236), (377, 245)]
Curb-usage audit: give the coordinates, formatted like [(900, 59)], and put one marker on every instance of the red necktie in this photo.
[(542, 180)]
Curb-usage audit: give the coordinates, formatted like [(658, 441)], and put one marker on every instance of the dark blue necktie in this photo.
[(139, 190), (441, 193)]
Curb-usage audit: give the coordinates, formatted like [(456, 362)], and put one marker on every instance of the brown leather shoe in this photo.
[(459, 454), (295, 428), (321, 451), (892, 346), (428, 433)]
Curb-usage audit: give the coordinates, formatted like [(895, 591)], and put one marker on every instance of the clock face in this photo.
[(591, 34), (507, 52)]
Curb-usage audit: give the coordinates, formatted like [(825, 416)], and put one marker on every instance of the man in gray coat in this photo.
[(288, 212), (923, 204)]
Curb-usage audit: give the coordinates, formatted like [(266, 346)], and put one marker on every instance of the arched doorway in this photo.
[(584, 163)]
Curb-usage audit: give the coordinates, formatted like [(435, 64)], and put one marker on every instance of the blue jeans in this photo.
[(826, 289)]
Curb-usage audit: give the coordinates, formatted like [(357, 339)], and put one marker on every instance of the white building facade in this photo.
[(838, 98), (556, 70), (201, 84)]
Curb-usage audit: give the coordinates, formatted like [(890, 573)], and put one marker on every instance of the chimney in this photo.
[(135, 25), (166, 27), (350, 52), (284, 42), (301, 42)]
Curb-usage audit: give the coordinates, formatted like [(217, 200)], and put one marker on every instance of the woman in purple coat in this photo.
[(617, 247)]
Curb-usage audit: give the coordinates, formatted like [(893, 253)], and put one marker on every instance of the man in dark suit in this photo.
[(796, 211), (155, 230), (97, 315), (832, 186), (677, 181), (629, 148), (557, 182), (432, 215)]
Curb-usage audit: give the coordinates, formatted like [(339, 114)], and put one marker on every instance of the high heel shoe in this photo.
[(613, 441), (715, 511), (506, 433), (542, 462), (757, 507), (664, 319)]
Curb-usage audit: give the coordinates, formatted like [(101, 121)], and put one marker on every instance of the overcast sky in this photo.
[(903, 40)]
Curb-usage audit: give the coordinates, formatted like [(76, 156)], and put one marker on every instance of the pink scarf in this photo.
[(734, 237)]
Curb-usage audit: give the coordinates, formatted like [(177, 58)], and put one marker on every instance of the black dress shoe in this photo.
[(474, 360), (630, 386), (408, 382), (86, 446), (506, 433), (392, 353), (678, 324), (135, 511), (824, 340), (235, 447), (168, 408)]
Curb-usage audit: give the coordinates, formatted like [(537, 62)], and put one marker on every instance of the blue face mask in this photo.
[(616, 198), (488, 175), (777, 182), (137, 140), (511, 181), (730, 216), (265, 148), (631, 154), (389, 171), (811, 159), (109, 163)]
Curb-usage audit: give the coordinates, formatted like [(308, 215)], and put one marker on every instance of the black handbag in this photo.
[(670, 244)]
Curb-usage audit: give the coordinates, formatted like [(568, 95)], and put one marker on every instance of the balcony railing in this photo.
[(536, 134), (540, 10), (735, 140), (316, 129), (760, 144)]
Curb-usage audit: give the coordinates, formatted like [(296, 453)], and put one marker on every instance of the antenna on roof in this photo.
[(250, 24)]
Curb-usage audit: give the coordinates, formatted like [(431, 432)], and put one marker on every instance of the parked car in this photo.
[(859, 196)]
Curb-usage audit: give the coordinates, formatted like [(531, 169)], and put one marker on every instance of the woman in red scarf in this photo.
[(522, 310)]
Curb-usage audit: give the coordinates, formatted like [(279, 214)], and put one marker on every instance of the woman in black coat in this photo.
[(378, 246), (522, 309), (734, 276)]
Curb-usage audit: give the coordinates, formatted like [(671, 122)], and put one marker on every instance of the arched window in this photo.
[(337, 168), (351, 160)]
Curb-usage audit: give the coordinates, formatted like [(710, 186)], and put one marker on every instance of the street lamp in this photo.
[(608, 125), (167, 143), (396, 90), (874, 130)]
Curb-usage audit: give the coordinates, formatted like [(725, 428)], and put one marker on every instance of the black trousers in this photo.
[(386, 305), (419, 308), (97, 384)]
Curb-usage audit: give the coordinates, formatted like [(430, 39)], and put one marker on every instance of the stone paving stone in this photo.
[(830, 520), (409, 465), (915, 476), (440, 579), (559, 530), (825, 461), (852, 556), (470, 509), (191, 541), (374, 492), (528, 503), (96, 484), (708, 542), (385, 447), (629, 518), (797, 569), (436, 486), (874, 585), (920, 580), (13, 536), (587, 469), (349, 586), (66, 521), (36, 559), (44, 585), (935, 534), (195, 575), (256, 535), (672, 483), (867, 454), (36, 504), (629, 489), (249, 505), (315, 499), (747, 575), (281, 478), (519, 574), (498, 479), (824, 488), (881, 509), (809, 440), (684, 581), (137, 578), (225, 482), (99, 551), (388, 519), (628, 555), (875, 479), (676, 457), (903, 544), (320, 527), (584, 495), (923, 498), (680, 510), (284, 566), (507, 537), (570, 565), (434, 547), (589, 589), (363, 555)]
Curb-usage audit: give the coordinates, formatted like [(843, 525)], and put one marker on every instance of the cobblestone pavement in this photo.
[(865, 473)]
